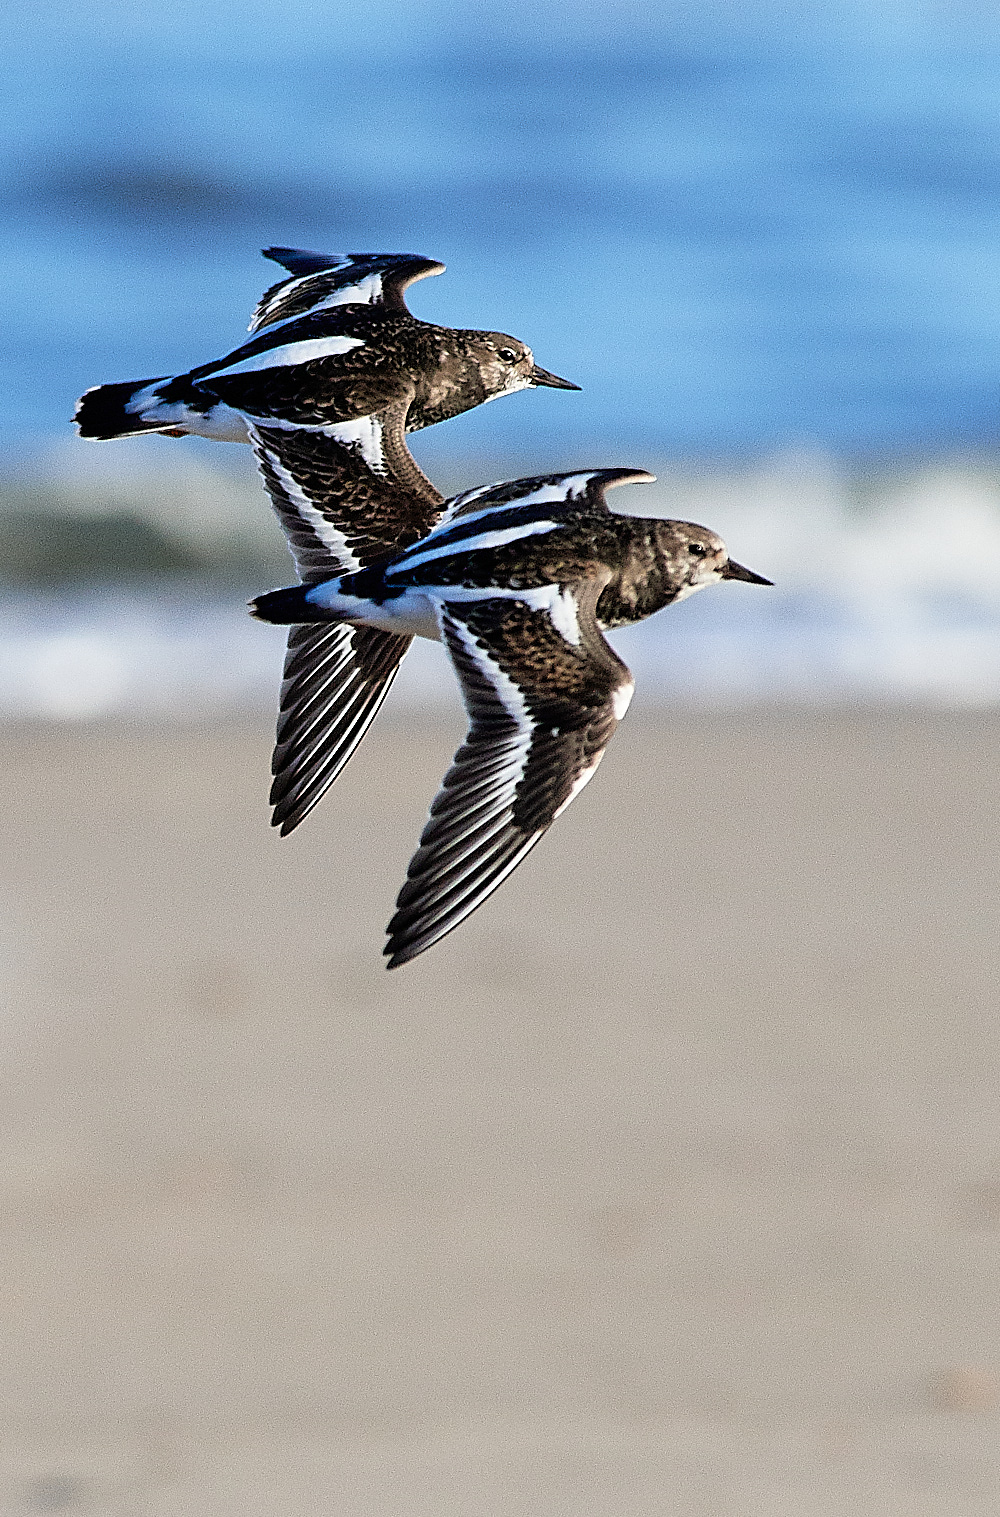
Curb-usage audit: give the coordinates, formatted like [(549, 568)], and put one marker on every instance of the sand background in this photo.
[(670, 1183)]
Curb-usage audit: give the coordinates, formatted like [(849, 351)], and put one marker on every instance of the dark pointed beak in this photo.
[(737, 571), (543, 377)]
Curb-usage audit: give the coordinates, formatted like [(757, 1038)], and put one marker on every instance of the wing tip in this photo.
[(402, 948), (430, 270), (611, 478), (286, 257), (410, 933)]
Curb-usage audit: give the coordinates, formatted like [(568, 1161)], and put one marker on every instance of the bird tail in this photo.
[(286, 607), (103, 411)]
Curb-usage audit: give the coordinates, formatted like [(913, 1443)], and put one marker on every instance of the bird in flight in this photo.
[(336, 373), (330, 347), (519, 581)]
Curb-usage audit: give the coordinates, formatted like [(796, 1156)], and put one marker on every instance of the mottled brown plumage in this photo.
[(518, 581), (332, 344), (335, 375)]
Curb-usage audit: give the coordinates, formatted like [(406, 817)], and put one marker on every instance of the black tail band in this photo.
[(286, 607)]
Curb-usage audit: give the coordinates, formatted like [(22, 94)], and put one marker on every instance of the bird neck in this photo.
[(646, 580)]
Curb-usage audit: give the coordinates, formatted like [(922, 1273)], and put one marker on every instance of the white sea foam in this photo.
[(888, 593), (173, 654)]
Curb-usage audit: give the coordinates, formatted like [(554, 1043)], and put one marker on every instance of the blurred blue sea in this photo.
[(748, 233), (735, 227)]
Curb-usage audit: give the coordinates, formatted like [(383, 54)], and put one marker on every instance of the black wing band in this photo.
[(323, 280)]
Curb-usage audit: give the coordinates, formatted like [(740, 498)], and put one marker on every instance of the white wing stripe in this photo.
[(417, 611), (583, 778), (509, 695), (419, 554), (364, 435), (569, 486), (288, 285), (278, 423), (558, 604), (288, 354), (330, 536), (367, 291), (564, 616), (459, 501)]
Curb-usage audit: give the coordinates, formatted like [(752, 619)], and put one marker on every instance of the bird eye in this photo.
[(508, 355), (697, 550)]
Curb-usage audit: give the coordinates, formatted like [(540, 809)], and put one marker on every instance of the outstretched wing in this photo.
[(338, 493), (322, 280), (542, 706), (571, 491), (335, 679), (338, 516)]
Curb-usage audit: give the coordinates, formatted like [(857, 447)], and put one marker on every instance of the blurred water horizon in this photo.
[(887, 586)]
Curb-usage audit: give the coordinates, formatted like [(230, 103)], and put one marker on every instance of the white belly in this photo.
[(411, 614), (221, 423)]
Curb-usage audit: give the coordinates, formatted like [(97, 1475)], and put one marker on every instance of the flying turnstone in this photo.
[(327, 391), (332, 346), (518, 581)]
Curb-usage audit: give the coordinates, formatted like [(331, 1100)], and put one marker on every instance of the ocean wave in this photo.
[(886, 590)]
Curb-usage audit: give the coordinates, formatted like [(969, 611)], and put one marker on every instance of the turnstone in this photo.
[(518, 580), (332, 346), (326, 394)]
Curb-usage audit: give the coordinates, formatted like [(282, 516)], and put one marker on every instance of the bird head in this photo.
[(507, 365), (697, 557)]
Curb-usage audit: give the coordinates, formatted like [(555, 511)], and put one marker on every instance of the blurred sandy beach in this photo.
[(670, 1183)]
